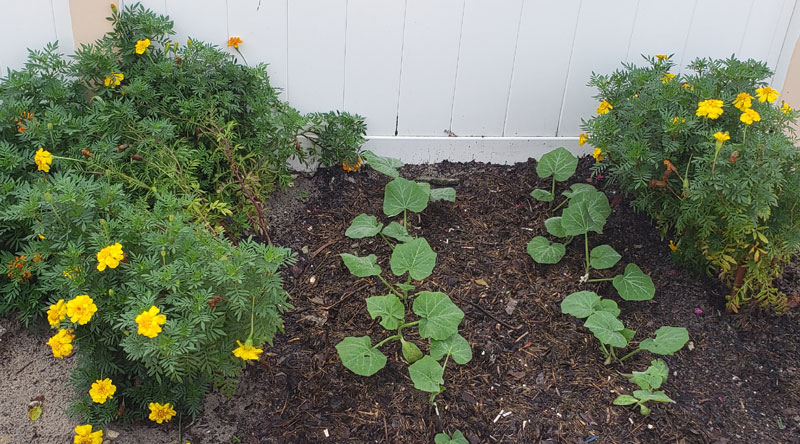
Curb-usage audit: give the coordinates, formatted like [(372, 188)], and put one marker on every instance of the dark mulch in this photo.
[(739, 383)]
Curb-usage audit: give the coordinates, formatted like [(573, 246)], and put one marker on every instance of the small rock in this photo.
[(691, 345), (511, 305), (304, 249), (2, 331), (111, 434)]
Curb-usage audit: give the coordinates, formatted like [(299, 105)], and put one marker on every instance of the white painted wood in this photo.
[(541, 63), (430, 60), (316, 54), (262, 26), (204, 20), (601, 42), (24, 25), (757, 40), (660, 28), (486, 59), (62, 21), (717, 30), (372, 63), (157, 6), (787, 48)]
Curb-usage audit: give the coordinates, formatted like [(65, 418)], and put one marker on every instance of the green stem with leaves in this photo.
[(629, 354), (390, 286)]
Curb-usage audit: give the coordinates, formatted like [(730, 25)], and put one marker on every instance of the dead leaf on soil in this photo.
[(481, 282)]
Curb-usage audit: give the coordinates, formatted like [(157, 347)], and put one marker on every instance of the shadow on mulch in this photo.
[(739, 383)]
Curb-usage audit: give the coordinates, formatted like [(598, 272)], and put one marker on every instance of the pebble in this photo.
[(112, 434)]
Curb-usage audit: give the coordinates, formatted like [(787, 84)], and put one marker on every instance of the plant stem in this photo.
[(389, 286), (387, 241), (405, 225), (605, 350), (599, 280), (561, 204), (553, 192), (586, 249), (629, 355), (390, 338)]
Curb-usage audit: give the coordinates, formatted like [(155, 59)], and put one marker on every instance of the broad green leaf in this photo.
[(401, 194), (645, 395), (427, 375), (415, 257), (397, 231), (457, 438), (455, 346), (411, 352), (358, 355), (542, 195), (554, 227), (627, 332), (440, 316), (581, 304), (653, 377), (644, 410), (35, 411), (363, 226), (545, 252), (668, 340), (559, 163), (608, 305), (625, 400), (362, 266), (404, 287), (388, 308), (578, 188), (385, 165), (634, 285), (603, 256), (597, 205), (448, 194), (575, 219), (606, 328)]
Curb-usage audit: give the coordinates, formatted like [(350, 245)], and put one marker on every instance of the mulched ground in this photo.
[(739, 383)]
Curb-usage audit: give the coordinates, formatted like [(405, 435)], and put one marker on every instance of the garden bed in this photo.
[(739, 381)]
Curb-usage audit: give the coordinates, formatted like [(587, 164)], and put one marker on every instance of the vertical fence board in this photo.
[(430, 60), (601, 42), (63, 25), (758, 37), (372, 63), (717, 29), (261, 24), (316, 54), (23, 26), (486, 59), (540, 67), (660, 28), (208, 22)]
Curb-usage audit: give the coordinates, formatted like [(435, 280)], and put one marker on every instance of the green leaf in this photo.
[(363, 226), (440, 316), (644, 410), (411, 352), (581, 304), (645, 396), (597, 205), (545, 252), (35, 412), (385, 165), (627, 332), (457, 438), (606, 328), (668, 340), (448, 194), (542, 195), (397, 231), (404, 287), (388, 308), (358, 355), (634, 285), (603, 256), (401, 194), (575, 219), (625, 400), (415, 257), (653, 377), (361, 266), (608, 305), (427, 375), (559, 163), (455, 346), (554, 227), (577, 188)]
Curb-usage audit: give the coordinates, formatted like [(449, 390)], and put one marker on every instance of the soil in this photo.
[(737, 382)]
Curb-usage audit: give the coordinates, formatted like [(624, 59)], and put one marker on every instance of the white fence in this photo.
[(508, 77)]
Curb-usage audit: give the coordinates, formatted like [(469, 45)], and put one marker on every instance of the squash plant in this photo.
[(648, 381), (437, 317)]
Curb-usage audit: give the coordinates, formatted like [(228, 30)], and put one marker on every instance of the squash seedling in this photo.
[(456, 438), (648, 381), (438, 317)]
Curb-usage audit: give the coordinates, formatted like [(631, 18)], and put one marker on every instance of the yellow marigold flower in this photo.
[(141, 46), (114, 79), (743, 101), (667, 77), (678, 120), (61, 343), (688, 86), (41, 236), (150, 322), (102, 390), (767, 94), (786, 109), (84, 435), (582, 138), (598, 155), (351, 168), (234, 41), (80, 309), (110, 257), (662, 56), (711, 108), (749, 116), (722, 137), (161, 412), (57, 313), (43, 160), (604, 107), (673, 246), (246, 351)]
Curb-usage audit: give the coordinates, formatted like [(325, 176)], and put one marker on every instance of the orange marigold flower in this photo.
[(234, 41)]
